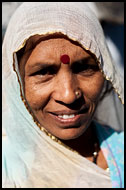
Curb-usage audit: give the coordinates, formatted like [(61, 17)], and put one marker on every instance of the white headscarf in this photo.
[(30, 157)]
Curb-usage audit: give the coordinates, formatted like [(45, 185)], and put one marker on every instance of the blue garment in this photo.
[(112, 145)]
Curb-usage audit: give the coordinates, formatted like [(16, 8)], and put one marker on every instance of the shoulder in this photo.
[(108, 133), (112, 145), (111, 138)]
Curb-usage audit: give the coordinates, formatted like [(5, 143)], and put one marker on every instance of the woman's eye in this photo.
[(45, 71), (85, 68)]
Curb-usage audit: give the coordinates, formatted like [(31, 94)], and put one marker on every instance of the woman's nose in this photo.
[(67, 89)]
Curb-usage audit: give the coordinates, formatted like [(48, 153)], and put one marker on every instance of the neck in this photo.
[(84, 144)]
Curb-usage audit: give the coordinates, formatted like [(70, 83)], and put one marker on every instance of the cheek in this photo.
[(36, 94), (92, 88)]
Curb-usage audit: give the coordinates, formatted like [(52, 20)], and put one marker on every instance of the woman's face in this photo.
[(50, 87)]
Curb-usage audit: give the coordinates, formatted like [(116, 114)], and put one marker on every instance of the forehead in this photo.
[(57, 47), (49, 49)]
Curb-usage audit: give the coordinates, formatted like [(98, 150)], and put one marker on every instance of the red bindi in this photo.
[(65, 59)]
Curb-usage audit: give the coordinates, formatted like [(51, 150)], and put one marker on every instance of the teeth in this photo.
[(66, 116)]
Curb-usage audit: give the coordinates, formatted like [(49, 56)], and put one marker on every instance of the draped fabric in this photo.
[(30, 157), (112, 146)]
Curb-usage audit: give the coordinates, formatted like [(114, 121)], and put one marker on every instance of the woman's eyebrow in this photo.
[(39, 65), (86, 60)]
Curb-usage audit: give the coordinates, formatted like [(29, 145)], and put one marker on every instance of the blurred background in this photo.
[(8, 9)]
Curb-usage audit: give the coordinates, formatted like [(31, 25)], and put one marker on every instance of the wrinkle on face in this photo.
[(51, 92)]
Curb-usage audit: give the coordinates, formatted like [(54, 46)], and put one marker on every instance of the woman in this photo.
[(56, 71)]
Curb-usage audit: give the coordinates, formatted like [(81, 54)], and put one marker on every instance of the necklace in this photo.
[(96, 146), (95, 156), (95, 153)]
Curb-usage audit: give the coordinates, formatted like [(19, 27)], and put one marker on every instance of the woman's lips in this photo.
[(68, 118)]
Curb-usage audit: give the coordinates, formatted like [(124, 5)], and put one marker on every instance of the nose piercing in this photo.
[(77, 93), (65, 59)]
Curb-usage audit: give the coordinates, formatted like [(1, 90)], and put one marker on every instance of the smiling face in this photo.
[(50, 86)]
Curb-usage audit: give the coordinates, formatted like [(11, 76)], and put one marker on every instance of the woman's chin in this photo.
[(69, 134)]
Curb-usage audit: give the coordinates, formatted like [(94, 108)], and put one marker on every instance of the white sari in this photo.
[(31, 159)]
